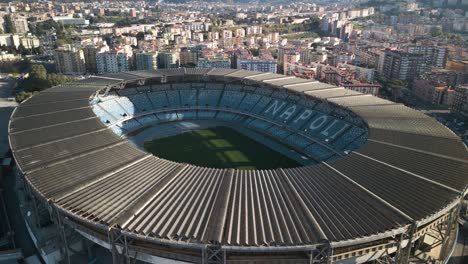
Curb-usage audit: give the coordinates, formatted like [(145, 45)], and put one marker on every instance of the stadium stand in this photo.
[(147, 119), (208, 97), (127, 105), (158, 99), (188, 97), (319, 151), (231, 99), (113, 108), (174, 98), (129, 124), (141, 102), (382, 173)]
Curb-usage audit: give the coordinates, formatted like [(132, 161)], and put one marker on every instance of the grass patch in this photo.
[(218, 147)]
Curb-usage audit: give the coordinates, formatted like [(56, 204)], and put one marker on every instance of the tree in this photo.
[(140, 35), (437, 32), (38, 71), (39, 79), (56, 79), (255, 52), (21, 96), (9, 26)]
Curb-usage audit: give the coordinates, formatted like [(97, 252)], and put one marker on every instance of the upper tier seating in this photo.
[(127, 105), (141, 102), (289, 117), (231, 99), (158, 99), (208, 97)]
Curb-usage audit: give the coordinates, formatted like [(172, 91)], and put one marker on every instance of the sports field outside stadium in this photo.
[(218, 147)]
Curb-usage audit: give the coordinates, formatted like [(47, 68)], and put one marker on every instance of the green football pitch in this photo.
[(218, 147)]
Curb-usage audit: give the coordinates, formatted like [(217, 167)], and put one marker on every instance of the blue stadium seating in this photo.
[(113, 108), (249, 101), (161, 87), (127, 92), (231, 99), (215, 86), (206, 114), (141, 102), (280, 94), (349, 136), (264, 91), (158, 99), (173, 98), (302, 118), (188, 97), (118, 130), (319, 151), (249, 88), (278, 132), (317, 123), (94, 101), (308, 103), (327, 119), (226, 115), (144, 89), (198, 85), (109, 96), (332, 130), (298, 141), (187, 114), (130, 124), (208, 97), (248, 120), (105, 117), (361, 140), (261, 104), (260, 124), (127, 105), (275, 110), (326, 108), (167, 116), (231, 86), (178, 86), (147, 119)]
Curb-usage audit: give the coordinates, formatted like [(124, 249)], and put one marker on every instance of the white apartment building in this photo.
[(113, 62)]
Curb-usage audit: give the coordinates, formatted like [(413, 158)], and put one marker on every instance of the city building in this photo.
[(288, 58), (188, 58), (433, 92), (405, 66), (20, 23), (90, 52), (29, 41), (15, 40), (69, 60), (264, 62), (438, 55), (147, 61), (259, 65), (459, 103), (113, 61), (70, 20), (213, 62), (168, 60), (365, 88)]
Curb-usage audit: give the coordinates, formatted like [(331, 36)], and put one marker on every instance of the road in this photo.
[(22, 238), (460, 253), (6, 108)]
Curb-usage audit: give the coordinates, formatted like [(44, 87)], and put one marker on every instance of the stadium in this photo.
[(331, 175)]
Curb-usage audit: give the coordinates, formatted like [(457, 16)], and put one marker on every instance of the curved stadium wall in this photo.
[(378, 177)]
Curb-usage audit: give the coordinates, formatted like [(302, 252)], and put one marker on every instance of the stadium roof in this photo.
[(410, 170)]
